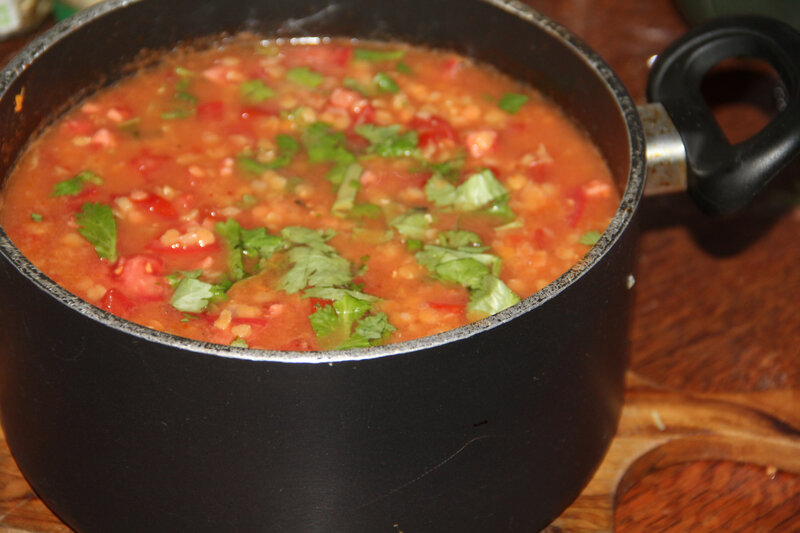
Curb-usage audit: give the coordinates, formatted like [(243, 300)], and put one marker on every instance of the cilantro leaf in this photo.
[(439, 191), (192, 295), (231, 232), (465, 271), (432, 256), (287, 149), (374, 327), (512, 102), (255, 91), (590, 238), (365, 210), (305, 76), (311, 237), (348, 189), (365, 54), (314, 267), (413, 224), (459, 239), (403, 68), (480, 189), (355, 85), (97, 225), (492, 296), (74, 185), (239, 343), (258, 243), (324, 145), (386, 141), (335, 293), (385, 83)]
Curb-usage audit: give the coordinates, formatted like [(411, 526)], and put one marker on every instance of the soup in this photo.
[(309, 195)]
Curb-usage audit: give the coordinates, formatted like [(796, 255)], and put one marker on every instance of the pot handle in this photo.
[(721, 177)]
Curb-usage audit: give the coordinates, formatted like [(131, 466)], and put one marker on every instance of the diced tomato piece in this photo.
[(481, 142), (142, 277), (578, 197), (452, 66), (115, 301), (79, 126), (252, 111), (147, 163), (152, 203), (364, 115), (433, 131), (210, 110), (539, 172), (456, 309)]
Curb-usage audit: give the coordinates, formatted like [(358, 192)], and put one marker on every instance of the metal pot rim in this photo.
[(629, 203)]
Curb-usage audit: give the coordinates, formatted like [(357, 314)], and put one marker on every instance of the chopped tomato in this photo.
[(577, 200), (433, 131), (324, 59), (210, 110), (79, 126), (252, 111), (147, 162), (456, 309), (115, 301), (152, 203), (142, 277)]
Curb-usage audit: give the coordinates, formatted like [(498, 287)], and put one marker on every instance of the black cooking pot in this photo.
[(492, 427)]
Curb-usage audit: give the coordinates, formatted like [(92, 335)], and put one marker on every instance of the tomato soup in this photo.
[(309, 195)]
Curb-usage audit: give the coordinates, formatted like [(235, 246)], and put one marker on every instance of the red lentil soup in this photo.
[(309, 196)]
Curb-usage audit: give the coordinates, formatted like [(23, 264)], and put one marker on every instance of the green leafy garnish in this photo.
[(230, 231), (492, 296), (310, 237), (403, 68), (183, 96), (97, 225), (355, 85), (433, 255), (449, 169), (365, 54), (192, 295), (323, 144), (74, 185), (590, 238), (288, 147), (365, 210), (255, 91), (413, 224), (439, 191), (36, 217), (465, 271), (387, 141), (460, 239), (313, 267), (480, 189), (512, 102), (131, 127), (246, 243), (178, 113), (305, 76), (385, 83), (336, 293), (184, 72), (334, 324), (348, 189), (239, 343)]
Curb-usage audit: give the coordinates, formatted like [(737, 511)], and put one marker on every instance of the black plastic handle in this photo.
[(723, 178)]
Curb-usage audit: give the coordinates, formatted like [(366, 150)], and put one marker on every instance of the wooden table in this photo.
[(710, 435)]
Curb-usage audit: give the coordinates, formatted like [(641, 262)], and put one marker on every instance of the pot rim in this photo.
[(619, 223)]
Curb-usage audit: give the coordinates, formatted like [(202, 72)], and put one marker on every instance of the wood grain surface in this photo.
[(710, 434)]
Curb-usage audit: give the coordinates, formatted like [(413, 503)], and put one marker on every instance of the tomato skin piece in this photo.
[(210, 110), (325, 59), (578, 196), (433, 131), (115, 302), (147, 163), (152, 203), (456, 309), (142, 277)]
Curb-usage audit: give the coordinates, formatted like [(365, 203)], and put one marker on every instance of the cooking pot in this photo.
[(492, 427)]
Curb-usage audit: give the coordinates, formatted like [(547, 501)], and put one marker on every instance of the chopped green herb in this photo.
[(348, 189), (449, 169), (184, 72), (465, 271), (439, 191), (365, 210), (257, 243), (315, 267), (97, 225), (177, 114), (175, 278), (403, 68), (231, 232), (74, 185), (246, 243), (355, 85), (460, 239), (432, 256), (386, 141), (413, 224), (239, 342), (288, 147), (414, 245), (364, 54), (310, 237), (255, 91), (305, 76), (248, 201), (192, 295), (369, 330), (131, 127), (512, 102), (36, 217), (590, 238), (480, 189), (335, 293), (323, 144), (385, 83), (492, 296)]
